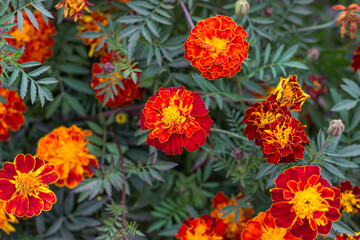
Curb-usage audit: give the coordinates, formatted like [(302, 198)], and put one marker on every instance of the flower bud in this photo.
[(313, 54), (242, 8), (238, 154), (269, 12), (336, 127), (108, 67)]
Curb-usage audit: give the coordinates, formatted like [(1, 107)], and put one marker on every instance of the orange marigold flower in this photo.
[(315, 91), (259, 115), (88, 23), (24, 186), (38, 43), (125, 94), (204, 227), (348, 16), (216, 47), (66, 149), (347, 237), (350, 197), (177, 118), (233, 229), (11, 113), (283, 141), (74, 8), (304, 202), (263, 227), (289, 93), (355, 64), (6, 219)]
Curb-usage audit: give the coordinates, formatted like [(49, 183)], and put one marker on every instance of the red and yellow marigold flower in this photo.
[(263, 227), (24, 186), (259, 115), (347, 237), (350, 198), (233, 229), (216, 47), (315, 91), (66, 149), (202, 228), (126, 95), (289, 93), (177, 118), (304, 202), (38, 43), (348, 16), (87, 24), (6, 219), (355, 64), (11, 113), (74, 8)]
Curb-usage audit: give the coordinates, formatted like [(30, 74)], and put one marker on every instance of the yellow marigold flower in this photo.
[(74, 7), (289, 93), (66, 148), (121, 118), (6, 219)]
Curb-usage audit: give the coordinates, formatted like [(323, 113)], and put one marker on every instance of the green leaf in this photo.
[(267, 54), (261, 20), (74, 104), (91, 34), (295, 65), (42, 10), (39, 71), (153, 28), (55, 226), (32, 18), (24, 85), (32, 92), (349, 151), (20, 20), (30, 64), (164, 166), (14, 76), (341, 227), (78, 85), (288, 53), (277, 53), (345, 104), (53, 106), (95, 127), (159, 19), (130, 19), (47, 81), (333, 170), (138, 9)]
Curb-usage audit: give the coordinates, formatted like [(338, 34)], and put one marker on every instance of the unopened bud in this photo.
[(1, 33), (238, 154), (242, 8), (336, 127), (313, 54), (269, 12), (108, 67)]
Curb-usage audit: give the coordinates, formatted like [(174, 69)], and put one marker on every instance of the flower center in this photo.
[(217, 45), (288, 94), (75, 4), (273, 234), (172, 116), (267, 118), (307, 202), (69, 154), (349, 202), (282, 135), (26, 184)]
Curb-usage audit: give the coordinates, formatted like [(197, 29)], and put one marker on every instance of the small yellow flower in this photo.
[(121, 118)]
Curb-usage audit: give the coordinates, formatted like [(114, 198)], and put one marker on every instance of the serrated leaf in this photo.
[(132, 43), (24, 85), (32, 18), (153, 28), (130, 19), (164, 166), (267, 54), (42, 10), (295, 65), (345, 104), (20, 20), (91, 34), (32, 92), (75, 104), (14, 76), (277, 53), (159, 19), (47, 81), (39, 71), (138, 9)]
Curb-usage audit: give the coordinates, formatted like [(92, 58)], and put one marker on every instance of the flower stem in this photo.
[(228, 133), (187, 14), (329, 138)]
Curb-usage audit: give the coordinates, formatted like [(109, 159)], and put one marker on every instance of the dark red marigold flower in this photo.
[(283, 141), (216, 47), (348, 237), (304, 202), (355, 64), (259, 115), (263, 227), (126, 95), (315, 91), (177, 118), (350, 197), (204, 227), (11, 113)]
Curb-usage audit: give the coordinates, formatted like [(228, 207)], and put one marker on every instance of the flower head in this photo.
[(66, 149), (260, 115), (125, 94), (202, 228), (289, 93), (74, 8), (88, 23), (177, 118), (304, 202), (24, 186), (263, 227), (233, 229), (217, 47), (317, 87), (11, 113), (348, 16), (350, 198), (38, 43), (6, 219), (347, 237), (355, 64)]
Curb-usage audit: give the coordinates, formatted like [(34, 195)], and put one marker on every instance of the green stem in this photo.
[(329, 138)]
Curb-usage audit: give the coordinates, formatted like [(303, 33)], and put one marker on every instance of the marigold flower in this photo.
[(348, 16), (6, 219), (304, 202), (315, 91), (263, 227), (66, 149), (289, 93), (350, 197), (11, 113), (216, 47), (203, 228), (355, 64), (283, 141), (233, 229), (38, 43), (347, 237), (121, 118), (74, 8), (259, 115), (88, 23), (177, 118), (124, 96), (24, 186)]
